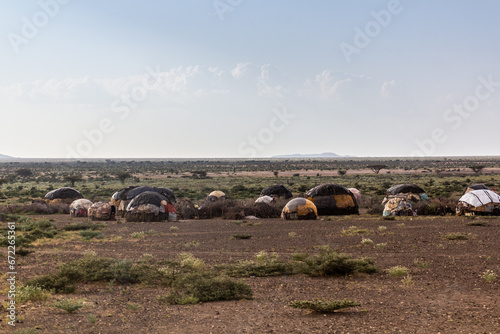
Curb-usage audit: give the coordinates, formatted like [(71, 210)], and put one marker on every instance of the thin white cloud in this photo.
[(386, 88), (240, 70)]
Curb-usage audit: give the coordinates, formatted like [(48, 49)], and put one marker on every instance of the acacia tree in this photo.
[(122, 176), (73, 178), (24, 172), (477, 168), (376, 168)]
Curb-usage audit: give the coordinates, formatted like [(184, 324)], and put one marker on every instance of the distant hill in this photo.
[(5, 157), (322, 155)]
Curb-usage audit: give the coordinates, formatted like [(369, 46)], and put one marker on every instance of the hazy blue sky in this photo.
[(248, 78)]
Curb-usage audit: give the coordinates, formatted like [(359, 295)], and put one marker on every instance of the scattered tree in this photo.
[(24, 172), (73, 179), (2, 182), (376, 168), (477, 168), (122, 176)]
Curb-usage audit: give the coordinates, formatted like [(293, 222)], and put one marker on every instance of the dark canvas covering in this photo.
[(169, 194), (122, 193), (405, 189), (278, 190), (63, 193), (328, 189), (478, 186), (147, 197), (330, 199)]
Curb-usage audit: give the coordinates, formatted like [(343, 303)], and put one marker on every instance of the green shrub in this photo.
[(69, 305), (83, 226), (398, 271), (455, 236), (90, 234), (329, 262), (31, 293), (324, 306)]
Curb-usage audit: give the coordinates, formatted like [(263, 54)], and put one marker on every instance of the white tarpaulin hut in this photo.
[(481, 201)]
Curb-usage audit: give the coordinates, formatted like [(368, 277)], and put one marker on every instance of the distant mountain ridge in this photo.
[(322, 155), (5, 157)]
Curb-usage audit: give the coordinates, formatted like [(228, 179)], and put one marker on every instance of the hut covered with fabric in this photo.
[(479, 202), (102, 211), (299, 208), (357, 194), (79, 207), (475, 186), (408, 191), (398, 206), (277, 190), (150, 206), (265, 199), (120, 201), (62, 195), (215, 196), (333, 199)]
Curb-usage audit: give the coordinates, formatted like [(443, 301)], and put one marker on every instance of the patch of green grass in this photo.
[(477, 223), (421, 263), (174, 229), (455, 236), (91, 318), (489, 276), (90, 234), (31, 293), (26, 331), (398, 271), (83, 226), (69, 305), (382, 229), (133, 307), (367, 241), (381, 245), (137, 235), (353, 230), (408, 281), (324, 306)]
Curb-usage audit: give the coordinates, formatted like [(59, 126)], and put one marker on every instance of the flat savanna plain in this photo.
[(444, 292)]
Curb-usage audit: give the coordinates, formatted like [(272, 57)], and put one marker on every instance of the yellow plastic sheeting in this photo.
[(217, 193), (344, 201)]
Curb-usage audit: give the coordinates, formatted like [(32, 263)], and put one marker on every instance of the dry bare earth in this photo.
[(448, 296)]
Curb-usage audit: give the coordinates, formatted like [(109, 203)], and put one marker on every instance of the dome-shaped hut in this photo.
[(79, 207), (475, 186), (150, 206), (120, 201), (408, 191), (215, 195), (265, 199), (479, 202), (102, 211), (277, 190), (333, 199), (63, 195), (299, 208)]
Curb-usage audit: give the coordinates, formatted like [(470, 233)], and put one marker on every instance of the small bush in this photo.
[(382, 228), (329, 262), (353, 230), (174, 229), (381, 245), (489, 276), (398, 271), (324, 306), (137, 235), (367, 241), (83, 226), (477, 223), (421, 263), (455, 236), (90, 234), (31, 293), (69, 305)]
